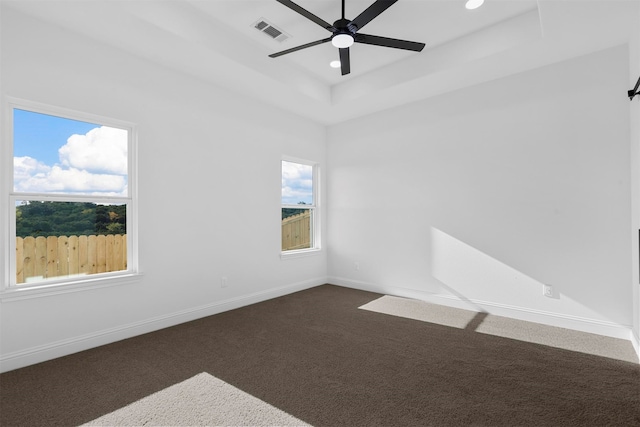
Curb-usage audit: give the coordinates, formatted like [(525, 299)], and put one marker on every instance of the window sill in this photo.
[(50, 289), (300, 253)]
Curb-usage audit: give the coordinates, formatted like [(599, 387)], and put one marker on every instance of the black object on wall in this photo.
[(633, 92)]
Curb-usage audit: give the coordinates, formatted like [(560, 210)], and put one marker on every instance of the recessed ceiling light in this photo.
[(473, 4), (334, 64)]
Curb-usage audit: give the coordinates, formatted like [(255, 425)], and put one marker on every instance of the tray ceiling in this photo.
[(215, 40)]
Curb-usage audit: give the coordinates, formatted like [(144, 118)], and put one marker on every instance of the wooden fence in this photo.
[(49, 257), (296, 231)]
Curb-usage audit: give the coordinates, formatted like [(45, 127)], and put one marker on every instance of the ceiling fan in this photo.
[(345, 32)]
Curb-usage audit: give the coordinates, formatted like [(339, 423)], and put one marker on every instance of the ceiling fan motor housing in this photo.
[(345, 26)]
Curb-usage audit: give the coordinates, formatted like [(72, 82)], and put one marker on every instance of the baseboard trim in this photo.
[(30, 356), (635, 341), (576, 323)]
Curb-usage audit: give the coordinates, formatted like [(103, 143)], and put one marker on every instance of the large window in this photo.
[(299, 200), (71, 198)]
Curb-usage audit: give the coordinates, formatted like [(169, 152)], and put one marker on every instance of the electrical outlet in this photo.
[(224, 282), (547, 291)]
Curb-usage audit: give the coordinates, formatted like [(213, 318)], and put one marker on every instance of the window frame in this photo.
[(316, 244), (9, 289)]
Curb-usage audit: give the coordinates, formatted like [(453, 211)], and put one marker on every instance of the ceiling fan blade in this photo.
[(371, 12), (304, 46), (304, 12), (387, 42), (345, 62)]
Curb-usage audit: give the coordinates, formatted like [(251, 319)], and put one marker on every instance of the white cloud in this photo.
[(292, 170), (94, 164), (59, 180), (102, 149), (27, 167), (297, 183)]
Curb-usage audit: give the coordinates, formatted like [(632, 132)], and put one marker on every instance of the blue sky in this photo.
[(39, 135), (58, 155)]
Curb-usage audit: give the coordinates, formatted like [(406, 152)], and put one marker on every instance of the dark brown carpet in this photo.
[(316, 356)]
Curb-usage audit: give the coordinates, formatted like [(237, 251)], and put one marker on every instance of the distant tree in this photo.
[(69, 219), (115, 228)]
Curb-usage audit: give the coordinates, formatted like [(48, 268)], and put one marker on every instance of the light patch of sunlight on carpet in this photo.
[(521, 330), (202, 400)]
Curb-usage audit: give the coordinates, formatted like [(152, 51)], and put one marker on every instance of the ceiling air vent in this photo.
[(270, 30)]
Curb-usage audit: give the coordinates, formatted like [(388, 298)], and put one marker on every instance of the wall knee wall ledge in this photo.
[(31, 356)]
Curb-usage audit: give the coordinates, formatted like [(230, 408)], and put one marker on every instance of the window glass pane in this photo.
[(63, 156), (296, 229), (64, 239), (297, 184)]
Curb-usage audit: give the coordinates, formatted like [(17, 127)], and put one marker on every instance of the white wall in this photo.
[(634, 74), (476, 198), (209, 191)]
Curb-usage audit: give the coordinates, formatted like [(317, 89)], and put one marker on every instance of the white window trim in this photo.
[(317, 220), (8, 289)]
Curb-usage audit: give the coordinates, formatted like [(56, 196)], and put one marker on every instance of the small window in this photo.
[(299, 214), (71, 200)]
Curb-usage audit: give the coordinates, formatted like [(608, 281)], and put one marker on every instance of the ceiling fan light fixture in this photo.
[(342, 41), (473, 4)]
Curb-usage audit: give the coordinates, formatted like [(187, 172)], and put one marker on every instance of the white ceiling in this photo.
[(214, 40), (430, 22)]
